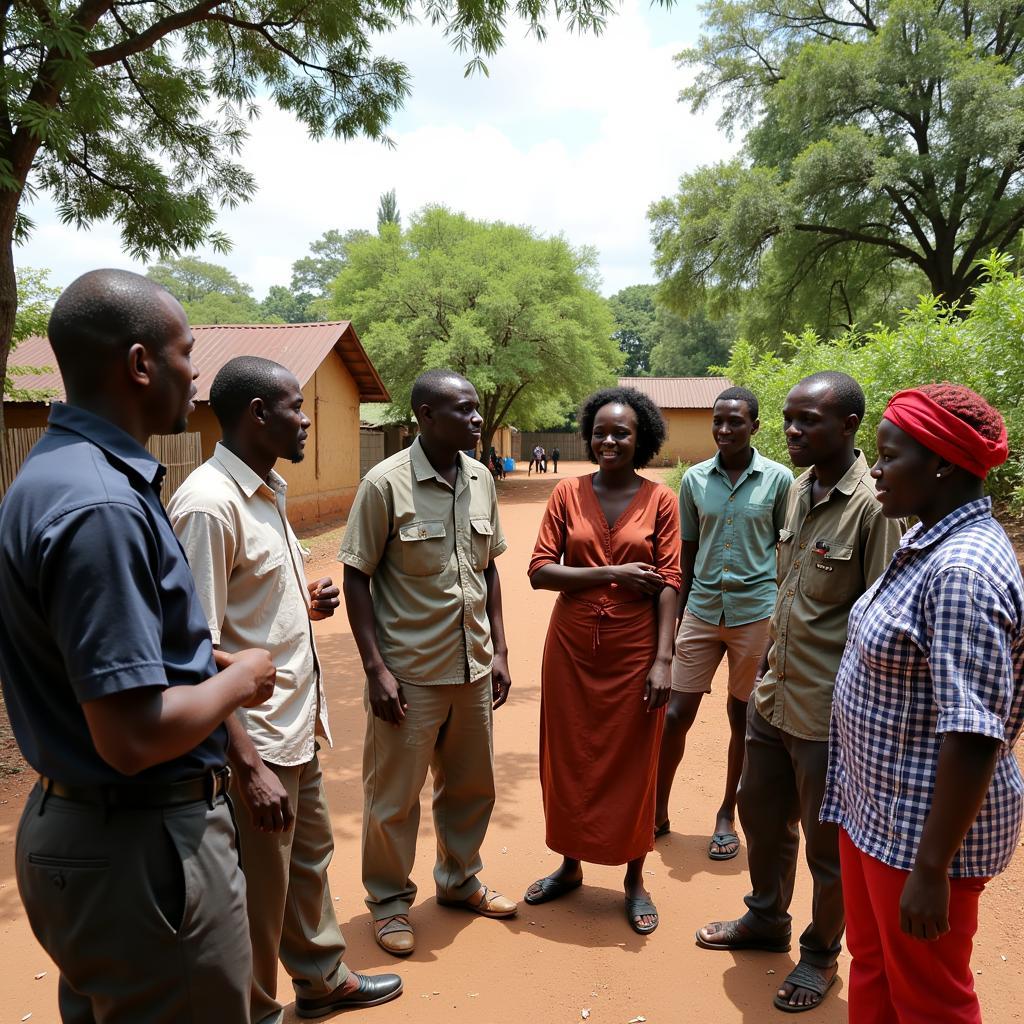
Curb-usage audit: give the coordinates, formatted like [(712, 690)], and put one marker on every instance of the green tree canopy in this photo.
[(387, 211), (882, 136), (689, 346), (210, 293), (137, 111), (633, 310), (313, 275), (517, 314)]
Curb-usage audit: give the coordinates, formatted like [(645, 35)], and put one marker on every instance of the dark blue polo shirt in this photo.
[(96, 598)]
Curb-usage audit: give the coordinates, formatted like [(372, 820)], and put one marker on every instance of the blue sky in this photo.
[(576, 135)]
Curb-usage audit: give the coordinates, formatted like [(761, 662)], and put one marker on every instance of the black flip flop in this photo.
[(764, 943), (810, 978), (723, 839), (663, 829), (638, 907), (550, 889)]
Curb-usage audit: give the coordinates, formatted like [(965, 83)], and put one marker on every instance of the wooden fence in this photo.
[(180, 453), (570, 446)]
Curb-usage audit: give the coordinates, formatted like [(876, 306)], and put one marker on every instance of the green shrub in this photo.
[(981, 346), (674, 477)]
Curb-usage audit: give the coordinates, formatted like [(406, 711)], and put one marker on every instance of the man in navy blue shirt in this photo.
[(126, 858)]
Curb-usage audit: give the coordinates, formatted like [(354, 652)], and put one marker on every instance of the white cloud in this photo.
[(576, 135)]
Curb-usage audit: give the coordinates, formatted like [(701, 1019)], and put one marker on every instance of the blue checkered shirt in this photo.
[(935, 646)]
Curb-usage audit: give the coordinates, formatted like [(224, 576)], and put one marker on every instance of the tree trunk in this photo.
[(486, 436), (8, 301)]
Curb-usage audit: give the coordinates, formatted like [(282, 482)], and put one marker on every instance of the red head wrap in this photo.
[(944, 433)]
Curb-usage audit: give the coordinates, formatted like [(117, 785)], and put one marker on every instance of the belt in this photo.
[(145, 794)]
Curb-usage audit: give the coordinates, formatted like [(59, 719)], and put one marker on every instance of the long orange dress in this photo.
[(598, 743)]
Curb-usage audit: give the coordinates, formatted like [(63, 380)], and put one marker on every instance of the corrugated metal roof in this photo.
[(679, 392), (300, 347)]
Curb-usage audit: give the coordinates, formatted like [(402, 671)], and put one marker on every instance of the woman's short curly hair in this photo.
[(967, 405), (650, 424)]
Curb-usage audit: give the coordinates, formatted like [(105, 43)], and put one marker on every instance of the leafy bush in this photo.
[(980, 345), (674, 477)]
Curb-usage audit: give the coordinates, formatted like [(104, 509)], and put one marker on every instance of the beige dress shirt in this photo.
[(250, 576), (828, 556), (425, 546)]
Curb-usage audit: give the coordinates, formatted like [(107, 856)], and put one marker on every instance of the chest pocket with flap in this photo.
[(833, 578), (482, 533), (424, 547)]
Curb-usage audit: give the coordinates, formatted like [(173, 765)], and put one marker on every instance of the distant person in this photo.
[(609, 544), (928, 705), (554, 458), (424, 601), (496, 464), (535, 460), (732, 508), (125, 855), (835, 543), (230, 517), (543, 460)]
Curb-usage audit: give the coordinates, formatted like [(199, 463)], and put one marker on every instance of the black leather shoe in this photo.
[(373, 990)]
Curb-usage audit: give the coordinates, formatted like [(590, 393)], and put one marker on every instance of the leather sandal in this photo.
[(395, 935), (490, 904)]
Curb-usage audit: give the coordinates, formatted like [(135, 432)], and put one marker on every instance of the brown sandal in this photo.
[(395, 935)]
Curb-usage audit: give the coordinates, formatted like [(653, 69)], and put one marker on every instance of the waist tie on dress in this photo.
[(601, 610)]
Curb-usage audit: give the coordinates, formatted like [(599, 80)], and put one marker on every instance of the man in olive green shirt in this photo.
[(424, 600), (834, 544)]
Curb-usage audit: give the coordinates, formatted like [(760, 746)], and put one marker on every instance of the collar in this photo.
[(118, 444), (756, 465), (918, 539), (847, 483), (425, 471), (248, 480)]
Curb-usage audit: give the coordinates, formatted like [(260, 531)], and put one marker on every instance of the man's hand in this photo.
[(387, 701), (501, 681), (259, 668), (658, 687), (266, 799), (924, 904), (324, 598)]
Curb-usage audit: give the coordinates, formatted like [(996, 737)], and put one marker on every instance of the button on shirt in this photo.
[(425, 546), (250, 576), (736, 527), (97, 599), (936, 646), (828, 556)]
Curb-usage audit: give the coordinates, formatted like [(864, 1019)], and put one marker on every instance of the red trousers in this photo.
[(897, 979)]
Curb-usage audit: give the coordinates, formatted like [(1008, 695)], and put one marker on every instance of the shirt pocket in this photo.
[(424, 547), (832, 577), (482, 532)]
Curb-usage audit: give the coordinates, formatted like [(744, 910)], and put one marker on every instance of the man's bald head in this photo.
[(434, 385), (100, 315)]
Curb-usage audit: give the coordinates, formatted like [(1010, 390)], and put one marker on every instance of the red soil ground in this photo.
[(552, 963)]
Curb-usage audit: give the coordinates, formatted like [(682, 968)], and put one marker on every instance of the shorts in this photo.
[(701, 645)]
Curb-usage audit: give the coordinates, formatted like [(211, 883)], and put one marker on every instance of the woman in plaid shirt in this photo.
[(928, 704)]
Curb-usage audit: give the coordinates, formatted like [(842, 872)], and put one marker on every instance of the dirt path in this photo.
[(553, 962)]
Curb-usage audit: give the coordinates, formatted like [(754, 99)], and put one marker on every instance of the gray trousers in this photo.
[(781, 790), (291, 912), (143, 911)]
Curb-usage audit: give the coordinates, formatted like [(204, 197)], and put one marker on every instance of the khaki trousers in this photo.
[(143, 911), (446, 729), (291, 912)]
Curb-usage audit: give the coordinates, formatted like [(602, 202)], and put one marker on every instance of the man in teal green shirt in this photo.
[(731, 509)]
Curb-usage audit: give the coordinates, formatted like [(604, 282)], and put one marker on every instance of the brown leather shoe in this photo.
[(485, 902), (395, 935)]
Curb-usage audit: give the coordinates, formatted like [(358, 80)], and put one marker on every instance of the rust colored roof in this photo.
[(679, 392), (299, 347)]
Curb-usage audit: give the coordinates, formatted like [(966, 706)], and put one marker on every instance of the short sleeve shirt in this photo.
[(828, 555), (96, 597), (736, 527), (936, 646), (249, 572), (425, 546)]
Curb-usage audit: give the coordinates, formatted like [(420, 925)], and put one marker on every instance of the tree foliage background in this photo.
[(35, 300), (883, 155), (981, 346), (517, 314)]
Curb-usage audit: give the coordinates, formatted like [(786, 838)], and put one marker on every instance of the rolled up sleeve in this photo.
[(970, 654)]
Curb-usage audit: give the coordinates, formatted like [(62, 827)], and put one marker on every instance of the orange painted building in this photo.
[(332, 368)]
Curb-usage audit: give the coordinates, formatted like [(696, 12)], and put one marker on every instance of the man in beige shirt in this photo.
[(230, 518), (834, 544), (424, 600)]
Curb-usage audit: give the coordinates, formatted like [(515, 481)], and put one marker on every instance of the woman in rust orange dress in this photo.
[(609, 543)]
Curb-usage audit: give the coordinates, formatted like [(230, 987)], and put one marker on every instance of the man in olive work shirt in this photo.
[(424, 600), (835, 542), (110, 680)]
